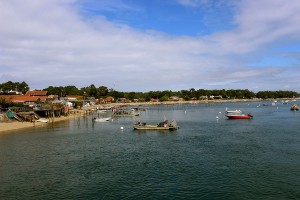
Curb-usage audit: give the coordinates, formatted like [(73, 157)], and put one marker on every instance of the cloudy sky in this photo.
[(146, 45)]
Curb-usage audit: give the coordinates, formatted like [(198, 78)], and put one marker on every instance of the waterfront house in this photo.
[(29, 100), (26, 100), (153, 100), (109, 99), (203, 97), (100, 101)]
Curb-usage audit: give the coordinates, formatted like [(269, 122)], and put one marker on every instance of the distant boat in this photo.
[(239, 116), (125, 113), (140, 108), (103, 119), (268, 104), (101, 111), (294, 107), (104, 109), (286, 102), (161, 126)]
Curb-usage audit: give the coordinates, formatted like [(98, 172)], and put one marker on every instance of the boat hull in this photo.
[(152, 127), (248, 116)]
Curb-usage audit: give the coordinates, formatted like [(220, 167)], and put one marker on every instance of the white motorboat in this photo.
[(102, 119)]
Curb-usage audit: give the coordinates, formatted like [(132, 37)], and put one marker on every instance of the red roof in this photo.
[(23, 98), (36, 93), (7, 97)]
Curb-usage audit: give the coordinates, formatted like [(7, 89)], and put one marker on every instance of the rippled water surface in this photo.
[(207, 158)]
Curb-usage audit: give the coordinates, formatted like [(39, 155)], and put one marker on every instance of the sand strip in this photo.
[(12, 125)]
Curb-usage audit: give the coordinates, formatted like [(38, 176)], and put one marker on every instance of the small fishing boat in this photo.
[(104, 109), (125, 113), (161, 126), (294, 107), (239, 116), (102, 119)]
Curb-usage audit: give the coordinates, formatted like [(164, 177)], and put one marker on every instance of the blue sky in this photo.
[(190, 18), (141, 45)]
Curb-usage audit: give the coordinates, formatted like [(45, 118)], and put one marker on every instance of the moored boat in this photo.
[(286, 102), (239, 116), (139, 108), (104, 119), (294, 107), (101, 111), (125, 113), (161, 126)]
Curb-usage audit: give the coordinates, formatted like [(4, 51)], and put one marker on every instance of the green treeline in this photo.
[(13, 87), (103, 91)]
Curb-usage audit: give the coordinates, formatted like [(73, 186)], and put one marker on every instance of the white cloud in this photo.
[(48, 43)]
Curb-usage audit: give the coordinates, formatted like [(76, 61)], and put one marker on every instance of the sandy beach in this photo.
[(11, 125)]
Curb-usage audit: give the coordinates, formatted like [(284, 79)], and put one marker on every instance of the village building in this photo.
[(52, 97), (100, 101), (203, 97), (109, 99), (30, 98), (154, 100)]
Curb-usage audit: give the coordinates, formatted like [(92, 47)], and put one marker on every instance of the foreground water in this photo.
[(207, 158)]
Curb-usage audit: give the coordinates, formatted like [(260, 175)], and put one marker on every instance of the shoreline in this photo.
[(6, 127)]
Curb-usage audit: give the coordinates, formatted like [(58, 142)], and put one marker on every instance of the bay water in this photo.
[(208, 157)]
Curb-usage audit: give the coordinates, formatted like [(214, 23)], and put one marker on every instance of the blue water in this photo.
[(207, 158)]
